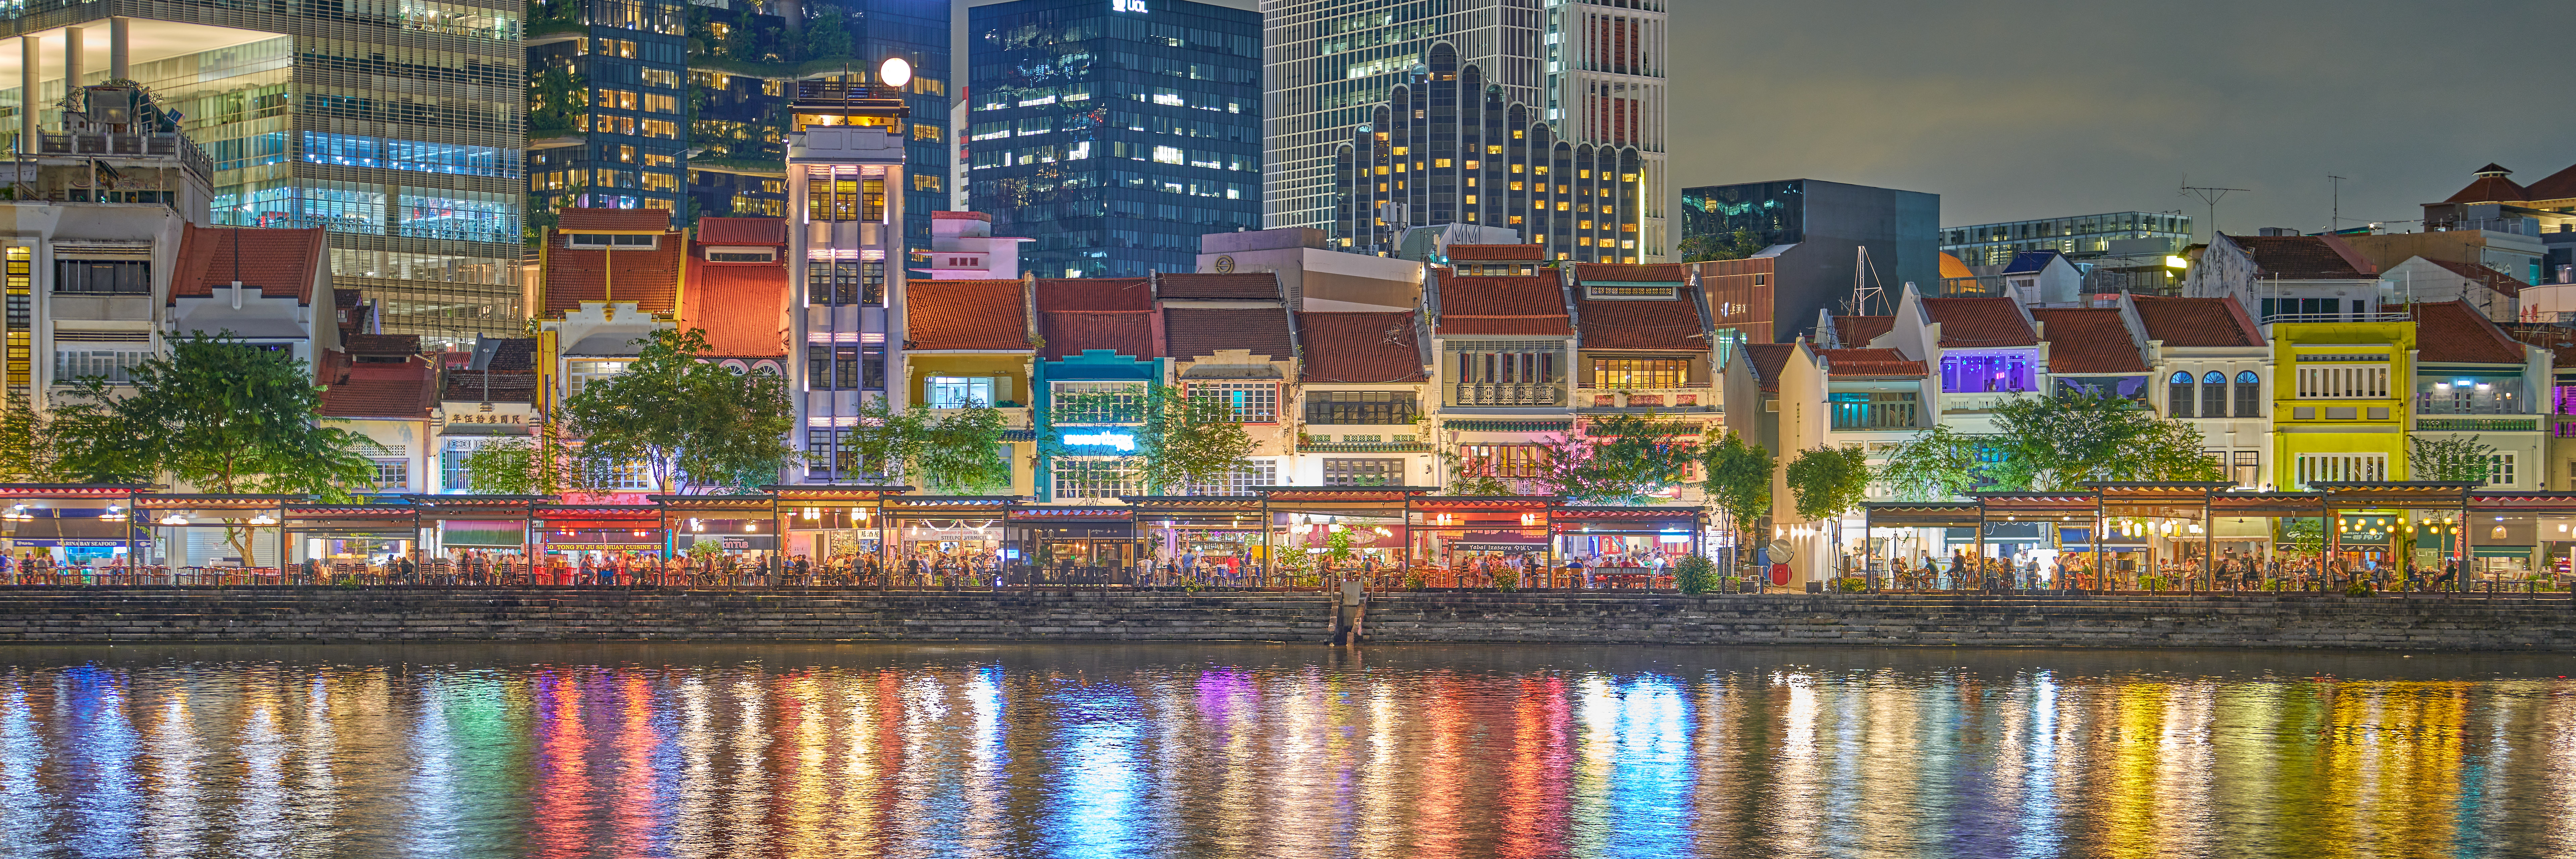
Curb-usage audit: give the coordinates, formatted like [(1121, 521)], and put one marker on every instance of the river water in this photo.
[(1188, 750)]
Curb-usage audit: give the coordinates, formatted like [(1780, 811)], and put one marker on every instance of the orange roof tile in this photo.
[(277, 262), (741, 306), (2300, 258), (742, 231), (1095, 293), (2089, 341), (1603, 272), (2491, 187), (2557, 186), (1506, 305), (1669, 325), (2197, 321), (2452, 332), (1766, 360), (1360, 348), (649, 278), (403, 391), (1194, 332), (1857, 331), (1125, 332), (965, 314), (1868, 363), (1977, 323)]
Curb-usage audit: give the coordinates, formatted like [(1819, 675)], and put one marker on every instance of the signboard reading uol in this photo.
[(1118, 440)]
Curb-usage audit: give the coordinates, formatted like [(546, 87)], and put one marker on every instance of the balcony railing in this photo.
[(128, 146), (1874, 416), (1669, 399), (1513, 394)]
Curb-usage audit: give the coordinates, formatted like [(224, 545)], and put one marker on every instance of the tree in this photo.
[(684, 419), (1637, 457), (1180, 441), (825, 36), (218, 414), (1739, 481), (532, 465), (2060, 442), (27, 448), (1828, 482), (958, 453), (1938, 465), (1466, 479), (1725, 246), (2448, 459)]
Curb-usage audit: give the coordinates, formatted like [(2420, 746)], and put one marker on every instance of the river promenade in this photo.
[(2225, 620)]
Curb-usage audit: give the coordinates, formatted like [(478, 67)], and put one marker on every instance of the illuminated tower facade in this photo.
[(845, 181)]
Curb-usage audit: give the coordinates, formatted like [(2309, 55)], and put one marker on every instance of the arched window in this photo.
[(2249, 395), (2213, 395), (2178, 395)]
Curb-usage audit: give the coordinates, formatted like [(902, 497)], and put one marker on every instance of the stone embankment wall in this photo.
[(54, 614)]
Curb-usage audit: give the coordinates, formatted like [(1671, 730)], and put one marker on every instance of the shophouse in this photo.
[(967, 343), (1232, 343), (736, 292), (491, 398), (270, 288), (846, 175), (1985, 350), (1505, 346), (2290, 278), (1644, 349), (2473, 381), (2212, 367), (2341, 409), (380, 387), (1365, 401)]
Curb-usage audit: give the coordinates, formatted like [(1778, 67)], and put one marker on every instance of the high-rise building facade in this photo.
[(753, 55), (1815, 234), (606, 105), (845, 155), (1112, 133), (1591, 73), (2083, 236), (398, 128)]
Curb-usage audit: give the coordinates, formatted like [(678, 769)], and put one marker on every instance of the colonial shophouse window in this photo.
[(1245, 402), (1361, 407)]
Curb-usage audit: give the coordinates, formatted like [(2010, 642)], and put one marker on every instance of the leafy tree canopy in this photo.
[(1826, 483), (1724, 246), (216, 413), (2061, 441), (1938, 465), (959, 452), (684, 419), (1636, 456), (1738, 479), (2448, 459)]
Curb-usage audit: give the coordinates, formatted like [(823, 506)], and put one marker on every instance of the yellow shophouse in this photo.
[(2340, 401)]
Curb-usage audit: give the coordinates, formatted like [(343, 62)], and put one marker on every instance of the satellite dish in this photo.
[(894, 72)]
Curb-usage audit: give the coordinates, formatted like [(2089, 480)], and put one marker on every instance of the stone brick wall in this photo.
[(327, 614)]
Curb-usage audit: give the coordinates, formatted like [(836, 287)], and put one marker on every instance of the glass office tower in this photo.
[(744, 77), (606, 105), (398, 127), (2082, 236), (1114, 134)]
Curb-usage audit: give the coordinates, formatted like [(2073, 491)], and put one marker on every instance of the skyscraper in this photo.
[(1591, 72), (399, 129), (755, 52), (1113, 133), (605, 95)]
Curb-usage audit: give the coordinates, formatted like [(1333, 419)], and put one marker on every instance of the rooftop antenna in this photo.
[(2337, 223), (1864, 290), (2209, 196)]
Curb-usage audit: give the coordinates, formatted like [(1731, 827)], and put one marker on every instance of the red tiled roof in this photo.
[(648, 278), (964, 314), (1512, 304), (2493, 279), (579, 220), (1507, 253), (2088, 341), (742, 231), (498, 386), (277, 262), (1095, 293), (1641, 324), (1360, 348), (1977, 323), (380, 345), (2452, 332), (2557, 186), (2491, 187), (1602, 272), (741, 306), (1070, 332), (513, 353), (402, 390), (2299, 258), (1194, 333), (1857, 331), (1768, 359), (2197, 321), (1258, 285), (1868, 363)]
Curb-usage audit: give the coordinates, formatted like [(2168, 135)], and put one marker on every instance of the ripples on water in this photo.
[(1198, 750)]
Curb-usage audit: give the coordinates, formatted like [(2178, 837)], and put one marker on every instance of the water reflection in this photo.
[(1195, 750)]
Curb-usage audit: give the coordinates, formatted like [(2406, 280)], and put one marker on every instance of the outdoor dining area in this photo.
[(2343, 537), (839, 536)]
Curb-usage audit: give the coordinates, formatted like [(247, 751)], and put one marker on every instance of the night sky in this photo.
[(2013, 109)]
